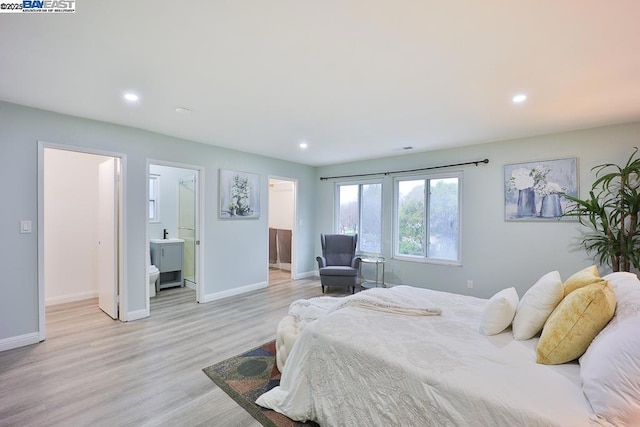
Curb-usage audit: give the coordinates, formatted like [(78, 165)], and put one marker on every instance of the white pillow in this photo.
[(536, 305), (499, 312), (610, 368), (622, 283)]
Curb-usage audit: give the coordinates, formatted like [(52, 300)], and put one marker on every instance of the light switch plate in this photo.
[(25, 227)]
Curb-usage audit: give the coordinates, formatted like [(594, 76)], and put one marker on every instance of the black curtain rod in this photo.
[(485, 161)]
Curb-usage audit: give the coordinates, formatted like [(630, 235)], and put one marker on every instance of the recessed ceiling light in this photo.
[(521, 97), (131, 97), (183, 110), (303, 145)]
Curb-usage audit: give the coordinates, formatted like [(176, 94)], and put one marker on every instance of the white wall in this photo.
[(225, 272), (169, 179), (70, 206), (281, 204), (495, 254)]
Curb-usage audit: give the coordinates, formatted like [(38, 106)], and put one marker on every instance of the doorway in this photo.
[(175, 194), (79, 228), (282, 229)]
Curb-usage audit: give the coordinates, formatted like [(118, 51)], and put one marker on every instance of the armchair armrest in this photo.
[(322, 262), (355, 262)]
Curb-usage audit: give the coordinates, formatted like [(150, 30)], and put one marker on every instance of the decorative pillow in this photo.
[(582, 278), (610, 372), (626, 286), (499, 312), (610, 368), (536, 305), (575, 323)]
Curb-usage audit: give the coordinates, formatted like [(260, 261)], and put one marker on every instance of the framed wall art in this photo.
[(534, 191), (239, 195)]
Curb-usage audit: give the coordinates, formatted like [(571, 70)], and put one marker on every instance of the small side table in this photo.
[(379, 280)]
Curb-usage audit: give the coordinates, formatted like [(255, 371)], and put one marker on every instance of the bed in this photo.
[(361, 366)]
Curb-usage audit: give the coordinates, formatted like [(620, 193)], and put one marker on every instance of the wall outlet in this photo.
[(469, 284)]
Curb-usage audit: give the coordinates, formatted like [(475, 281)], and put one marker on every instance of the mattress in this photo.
[(358, 366)]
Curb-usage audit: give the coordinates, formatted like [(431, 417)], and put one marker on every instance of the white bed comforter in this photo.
[(356, 367)]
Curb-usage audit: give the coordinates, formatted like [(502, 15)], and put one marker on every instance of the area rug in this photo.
[(247, 376)]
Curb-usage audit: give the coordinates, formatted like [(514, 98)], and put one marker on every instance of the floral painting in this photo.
[(239, 195), (534, 191)]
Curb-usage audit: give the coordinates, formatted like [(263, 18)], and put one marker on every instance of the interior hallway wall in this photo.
[(281, 204), (225, 272), (71, 225)]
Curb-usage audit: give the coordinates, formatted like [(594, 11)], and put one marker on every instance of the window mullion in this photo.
[(358, 226), (427, 193)]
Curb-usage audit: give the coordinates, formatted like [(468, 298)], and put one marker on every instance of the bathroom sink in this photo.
[(167, 240)]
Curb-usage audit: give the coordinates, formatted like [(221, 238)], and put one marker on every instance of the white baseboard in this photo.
[(306, 275), (135, 315), (232, 292), (70, 298), (19, 341)]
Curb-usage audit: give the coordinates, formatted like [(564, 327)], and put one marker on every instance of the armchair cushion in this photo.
[(338, 270)]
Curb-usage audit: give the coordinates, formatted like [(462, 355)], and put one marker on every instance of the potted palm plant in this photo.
[(611, 213)]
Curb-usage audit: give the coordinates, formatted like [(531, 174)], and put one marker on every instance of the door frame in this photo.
[(200, 232), (294, 231), (108, 222), (121, 236)]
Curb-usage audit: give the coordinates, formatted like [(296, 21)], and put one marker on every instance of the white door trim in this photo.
[(200, 224), (122, 255)]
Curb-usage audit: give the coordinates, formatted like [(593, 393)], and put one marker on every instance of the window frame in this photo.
[(155, 198), (396, 224), (336, 210)]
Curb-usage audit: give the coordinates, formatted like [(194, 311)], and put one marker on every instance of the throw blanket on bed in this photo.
[(380, 299)]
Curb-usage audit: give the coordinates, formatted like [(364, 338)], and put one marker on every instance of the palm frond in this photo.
[(611, 212)]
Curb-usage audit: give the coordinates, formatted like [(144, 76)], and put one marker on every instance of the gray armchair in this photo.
[(338, 264)]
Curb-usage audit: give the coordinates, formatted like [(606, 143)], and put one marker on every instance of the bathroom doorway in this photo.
[(282, 229), (79, 228), (175, 193)]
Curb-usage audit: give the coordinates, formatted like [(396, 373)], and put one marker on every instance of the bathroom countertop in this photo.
[(167, 240)]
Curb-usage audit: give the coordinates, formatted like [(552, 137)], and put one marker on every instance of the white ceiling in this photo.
[(355, 79)]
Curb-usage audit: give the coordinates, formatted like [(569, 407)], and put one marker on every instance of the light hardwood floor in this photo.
[(92, 370)]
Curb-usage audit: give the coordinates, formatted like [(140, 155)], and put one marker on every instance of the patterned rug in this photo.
[(247, 376)]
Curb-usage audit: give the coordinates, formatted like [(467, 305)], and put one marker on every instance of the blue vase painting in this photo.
[(551, 206), (533, 191), (526, 203)]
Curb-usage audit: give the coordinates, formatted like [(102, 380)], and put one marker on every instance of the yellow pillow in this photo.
[(582, 278), (575, 322)]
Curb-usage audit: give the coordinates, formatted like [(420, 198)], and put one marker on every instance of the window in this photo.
[(360, 211), (154, 192), (428, 222)]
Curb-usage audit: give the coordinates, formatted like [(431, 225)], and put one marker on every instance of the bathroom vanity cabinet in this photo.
[(167, 255)]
